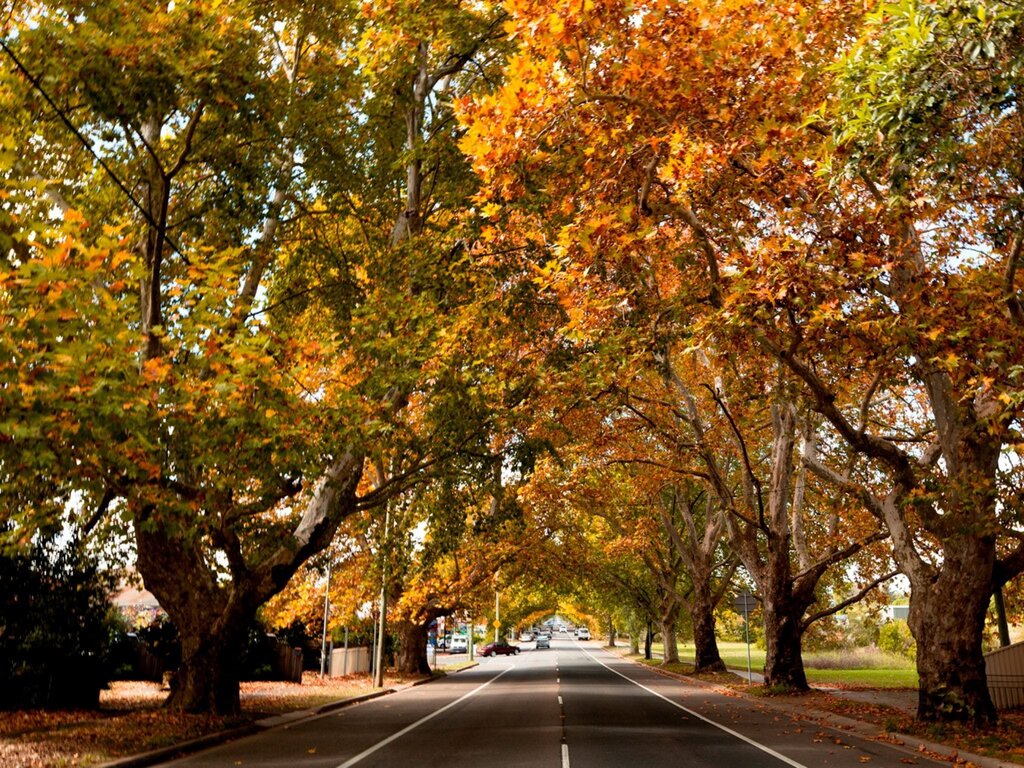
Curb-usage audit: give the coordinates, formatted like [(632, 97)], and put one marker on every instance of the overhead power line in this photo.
[(38, 86)]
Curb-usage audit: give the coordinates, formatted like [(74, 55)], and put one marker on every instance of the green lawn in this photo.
[(865, 668), (869, 678)]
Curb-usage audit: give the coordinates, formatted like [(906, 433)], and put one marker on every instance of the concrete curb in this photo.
[(191, 746), (912, 745), (182, 748)]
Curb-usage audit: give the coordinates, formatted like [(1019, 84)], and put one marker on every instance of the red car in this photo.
[(499, 649)]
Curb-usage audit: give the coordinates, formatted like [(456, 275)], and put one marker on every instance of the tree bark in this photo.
[(668, 635), (947, 619), (209, 675), (411, 657), (784, 663), (702, 615), (1001, 622), (648, 640)]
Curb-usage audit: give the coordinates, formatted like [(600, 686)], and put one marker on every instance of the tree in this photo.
[(945, 177), (641, 262), (867, 300), (228, 336)]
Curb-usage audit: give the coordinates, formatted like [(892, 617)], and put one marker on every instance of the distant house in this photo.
[(896, 612), (137, 604)]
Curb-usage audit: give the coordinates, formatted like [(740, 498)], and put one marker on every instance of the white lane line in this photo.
[(730, 731), (381, 744), (565, 756), (559, 701)]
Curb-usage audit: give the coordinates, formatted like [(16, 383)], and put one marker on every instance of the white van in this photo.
[(460, 644)]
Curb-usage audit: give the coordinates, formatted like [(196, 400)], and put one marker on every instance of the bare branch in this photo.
[(849, 601)]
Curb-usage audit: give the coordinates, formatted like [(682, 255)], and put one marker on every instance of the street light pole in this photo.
[(327, 609), (497, 614), (378, 669)]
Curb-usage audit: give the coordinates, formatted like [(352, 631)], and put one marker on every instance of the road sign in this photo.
[(745, 603), (497, 624)]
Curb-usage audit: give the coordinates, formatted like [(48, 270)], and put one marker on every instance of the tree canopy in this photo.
[(653, 287)]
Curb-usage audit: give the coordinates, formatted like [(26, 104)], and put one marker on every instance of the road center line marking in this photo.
[(381, 744), (699, 716), (559, 701), (565, 756)]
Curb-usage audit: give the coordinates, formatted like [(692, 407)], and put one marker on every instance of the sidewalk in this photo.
[(267, 723), (899, 699)]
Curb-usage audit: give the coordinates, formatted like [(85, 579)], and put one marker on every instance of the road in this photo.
[(571, 706)]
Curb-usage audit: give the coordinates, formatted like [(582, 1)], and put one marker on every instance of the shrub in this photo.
[(895, 638), (54, 627)]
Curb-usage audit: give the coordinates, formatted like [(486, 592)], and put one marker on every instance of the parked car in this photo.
[(543, 641), (499, 649), (459, 644), (582, 633)]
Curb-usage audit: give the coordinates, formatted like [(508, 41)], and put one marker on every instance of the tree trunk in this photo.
[(784, 663), (702, 616), (1001, 622), (411, 658), (208, 678), (668, 637), (212, 613), (634, 644), (947, 619), (611, 632), (648, 640)]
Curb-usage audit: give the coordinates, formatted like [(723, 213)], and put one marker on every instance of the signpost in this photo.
[(745, 603)]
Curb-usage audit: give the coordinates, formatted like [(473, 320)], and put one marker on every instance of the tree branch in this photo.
[(849, 601)]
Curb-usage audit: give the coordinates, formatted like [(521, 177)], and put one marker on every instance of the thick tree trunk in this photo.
[(634, 644), (212, 613), (411, 658), (784, 663), (611, 632), (208, 678), (702, 615), (648, 640), (947, 618)]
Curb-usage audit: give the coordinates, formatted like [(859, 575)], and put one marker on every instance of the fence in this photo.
[(1004, 669), (349, 661), (288, 664)]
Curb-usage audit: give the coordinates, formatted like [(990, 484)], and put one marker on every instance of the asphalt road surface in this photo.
[(572, 705)]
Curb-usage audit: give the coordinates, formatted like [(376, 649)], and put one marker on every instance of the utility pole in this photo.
[(327, 610), (378, 668)]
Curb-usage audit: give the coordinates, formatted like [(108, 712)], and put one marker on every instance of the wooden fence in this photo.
[(1004, 669)]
